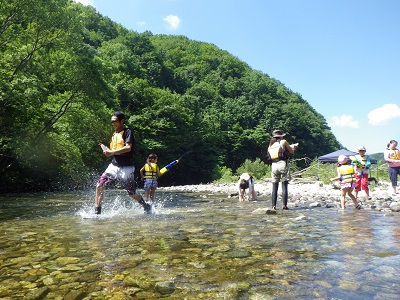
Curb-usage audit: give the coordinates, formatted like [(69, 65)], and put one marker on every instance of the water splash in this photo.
[(122, 205)]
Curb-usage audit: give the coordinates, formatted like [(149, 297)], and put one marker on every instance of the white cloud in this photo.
[(382, 115), (141, 23), (172, 21), (85, 2), (343, 121)]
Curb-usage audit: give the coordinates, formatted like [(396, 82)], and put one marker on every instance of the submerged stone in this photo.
[(165, 287), (36, 294)]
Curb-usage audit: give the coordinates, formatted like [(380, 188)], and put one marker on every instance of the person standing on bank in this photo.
[(392, 158), (279, 151), (362, 170), (121, 167)]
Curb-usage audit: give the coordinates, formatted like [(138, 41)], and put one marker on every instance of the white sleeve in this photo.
[(251, 186)]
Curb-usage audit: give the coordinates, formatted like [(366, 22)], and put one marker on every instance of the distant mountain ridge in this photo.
[(378, 156)]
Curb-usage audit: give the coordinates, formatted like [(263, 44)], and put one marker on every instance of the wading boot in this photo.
[(146, 206), (285, 194), (97, 210), (275, 186)]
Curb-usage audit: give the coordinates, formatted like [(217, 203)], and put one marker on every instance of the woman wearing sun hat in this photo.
[(279, 151), (346, 175), (363, 163)]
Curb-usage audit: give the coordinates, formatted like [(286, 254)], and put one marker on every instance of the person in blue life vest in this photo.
[(121, 167), (346, 175), (150, 173), (363, 163), (279, 151)]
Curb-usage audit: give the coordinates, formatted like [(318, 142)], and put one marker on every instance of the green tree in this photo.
[(48, 76), (64, 68)]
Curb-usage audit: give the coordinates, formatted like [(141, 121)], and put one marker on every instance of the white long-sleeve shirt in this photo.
[(250, 180)]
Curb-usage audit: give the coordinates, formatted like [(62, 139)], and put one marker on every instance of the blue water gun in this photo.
[(169, 166), (172, 163)]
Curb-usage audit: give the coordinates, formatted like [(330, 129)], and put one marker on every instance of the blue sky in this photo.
[(342, 56)]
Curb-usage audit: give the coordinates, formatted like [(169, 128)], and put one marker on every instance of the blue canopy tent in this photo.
[(333, 156)]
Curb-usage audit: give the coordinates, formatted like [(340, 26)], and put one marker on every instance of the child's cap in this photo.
[(362, 148), (342, 159), (152, 156)]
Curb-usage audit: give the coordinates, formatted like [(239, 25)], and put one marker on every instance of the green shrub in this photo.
[(258, 169), (223, 174)]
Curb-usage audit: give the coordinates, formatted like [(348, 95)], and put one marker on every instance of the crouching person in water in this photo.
[(279, 151), (121, 167), (246, 182), (346, 175)]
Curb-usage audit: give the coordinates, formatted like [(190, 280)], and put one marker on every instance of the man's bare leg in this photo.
[(99, 198)]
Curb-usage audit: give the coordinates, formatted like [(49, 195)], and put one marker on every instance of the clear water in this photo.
[(193, 247)]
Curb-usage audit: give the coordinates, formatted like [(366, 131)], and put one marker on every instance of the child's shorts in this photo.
[(347, 185), (150, 183)]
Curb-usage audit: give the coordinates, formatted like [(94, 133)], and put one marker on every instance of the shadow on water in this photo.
[(194, 246)]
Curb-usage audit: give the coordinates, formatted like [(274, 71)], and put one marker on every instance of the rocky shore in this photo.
[(315, 194)]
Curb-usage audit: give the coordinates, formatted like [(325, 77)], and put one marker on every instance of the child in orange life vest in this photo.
[(346, 175), (150, 173)]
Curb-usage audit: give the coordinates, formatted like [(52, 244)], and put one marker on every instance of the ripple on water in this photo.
[(194, 247)]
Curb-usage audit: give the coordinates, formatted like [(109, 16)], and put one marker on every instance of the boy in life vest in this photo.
[(362, 165), (150, 173), (346, 175)]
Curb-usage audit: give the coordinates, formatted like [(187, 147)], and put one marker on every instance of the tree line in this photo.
[(64, 68)]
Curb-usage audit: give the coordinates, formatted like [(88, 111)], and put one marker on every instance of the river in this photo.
[(195, 246)]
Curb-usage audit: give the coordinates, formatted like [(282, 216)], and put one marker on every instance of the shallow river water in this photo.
[(193, 247)]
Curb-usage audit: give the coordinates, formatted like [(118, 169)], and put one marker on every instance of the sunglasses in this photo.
[(114, 121)]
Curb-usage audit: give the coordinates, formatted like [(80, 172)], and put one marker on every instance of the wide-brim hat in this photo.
[(362, 148), (278, 133), (342, 159)]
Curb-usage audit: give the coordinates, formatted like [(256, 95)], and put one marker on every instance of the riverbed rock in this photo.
[(67, 260), (395, 206), (165, 287), (35, 294), (270, 211), (260, 211)]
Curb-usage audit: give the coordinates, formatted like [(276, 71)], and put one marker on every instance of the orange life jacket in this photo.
[(117, 140)]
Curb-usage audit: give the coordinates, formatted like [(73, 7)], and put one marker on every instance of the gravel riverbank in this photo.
[(314, 194)]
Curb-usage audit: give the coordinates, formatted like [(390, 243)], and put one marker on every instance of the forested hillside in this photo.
[(64, 69)]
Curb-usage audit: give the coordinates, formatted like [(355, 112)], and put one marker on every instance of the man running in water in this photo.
[(121, 167)]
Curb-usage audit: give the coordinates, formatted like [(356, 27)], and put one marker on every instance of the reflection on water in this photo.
[(193, 248)]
